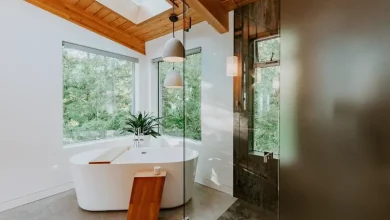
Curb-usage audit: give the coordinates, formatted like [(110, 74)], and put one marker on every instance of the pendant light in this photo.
[(232, 66), (173, 49), (173, 80)]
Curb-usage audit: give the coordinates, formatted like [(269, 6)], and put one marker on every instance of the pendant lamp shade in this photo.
[(173, 80), (232, 66), (174, 51)]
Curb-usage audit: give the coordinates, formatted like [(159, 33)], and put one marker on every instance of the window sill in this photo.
[(261, 154), (163, 141), (120, 141)]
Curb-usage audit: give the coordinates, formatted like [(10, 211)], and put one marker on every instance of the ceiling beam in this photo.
[(212, 12), (71, 13), (234, 4)]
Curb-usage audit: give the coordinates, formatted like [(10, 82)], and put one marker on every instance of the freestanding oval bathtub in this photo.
[(104, 187)]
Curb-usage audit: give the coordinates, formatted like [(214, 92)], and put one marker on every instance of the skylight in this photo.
[(137, 11)]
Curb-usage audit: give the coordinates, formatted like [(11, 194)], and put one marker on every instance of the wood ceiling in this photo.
[(98, 18)]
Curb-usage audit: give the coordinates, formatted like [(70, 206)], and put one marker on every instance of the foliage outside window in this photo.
[(266, 106), (171, 104), (97, 95)]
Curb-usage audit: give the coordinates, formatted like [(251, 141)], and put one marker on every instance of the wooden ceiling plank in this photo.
[(83, 4), (102, 13), (126, 25), (118, 21), (148, 29), (49, 8), (95, 7), (157, 34), (163, 25), (163, 21), (111, 17), (73, 1), (212, 12), (167, 29), (156, 21), (97, 20), (231, 5)]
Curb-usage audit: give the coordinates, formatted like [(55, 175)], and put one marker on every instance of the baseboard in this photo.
[(211, 184), (35, 196)]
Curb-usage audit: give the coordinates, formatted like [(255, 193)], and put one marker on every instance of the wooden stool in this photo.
[(146, 196)]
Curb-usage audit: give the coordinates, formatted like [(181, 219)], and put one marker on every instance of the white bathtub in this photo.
[(106, 187)]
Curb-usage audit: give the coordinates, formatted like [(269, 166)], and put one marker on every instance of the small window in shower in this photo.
[(267, 95)]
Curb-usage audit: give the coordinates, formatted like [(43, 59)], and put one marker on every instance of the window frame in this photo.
[(260, 65), (266, 63), (134, 61), (156, 64)]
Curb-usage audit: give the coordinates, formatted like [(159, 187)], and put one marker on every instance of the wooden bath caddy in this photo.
[(146, 195), (109, 156)]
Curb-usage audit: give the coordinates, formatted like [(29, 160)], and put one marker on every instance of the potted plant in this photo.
[(142, 124)]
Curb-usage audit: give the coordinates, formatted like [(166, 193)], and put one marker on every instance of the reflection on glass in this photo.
[(171, 105)]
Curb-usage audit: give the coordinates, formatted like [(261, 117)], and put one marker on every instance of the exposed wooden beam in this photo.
[(74, 14), (168, 30), (156, 21), (212, 12), (100, 19), (234, 4)]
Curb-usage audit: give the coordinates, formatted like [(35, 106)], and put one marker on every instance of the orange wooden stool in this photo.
[(146, 196)]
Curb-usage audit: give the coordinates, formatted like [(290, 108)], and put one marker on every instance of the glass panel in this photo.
[(172, 100), (266, 109), (268, 50), (181, 123), (97, 95)]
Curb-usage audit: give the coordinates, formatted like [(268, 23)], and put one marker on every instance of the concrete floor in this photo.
[(242, 210), (206, 204)]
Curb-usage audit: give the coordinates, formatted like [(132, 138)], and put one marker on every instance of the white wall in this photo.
[(215, 167), (33, 161)]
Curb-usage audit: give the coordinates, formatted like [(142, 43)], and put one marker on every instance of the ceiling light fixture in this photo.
[(174, 49), (232, 66), (173, 79)]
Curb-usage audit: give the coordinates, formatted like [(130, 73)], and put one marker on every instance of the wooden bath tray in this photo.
[(146, 196), (109, 156)]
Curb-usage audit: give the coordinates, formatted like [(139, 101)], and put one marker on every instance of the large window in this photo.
[(97, 93), (266, 106), (171, 100)]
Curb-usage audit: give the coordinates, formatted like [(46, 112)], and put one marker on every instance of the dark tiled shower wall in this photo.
[(255, 181)]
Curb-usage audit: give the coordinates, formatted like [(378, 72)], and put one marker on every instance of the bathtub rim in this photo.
[(73, 160)]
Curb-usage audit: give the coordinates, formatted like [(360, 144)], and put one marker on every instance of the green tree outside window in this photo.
[(97, 95)]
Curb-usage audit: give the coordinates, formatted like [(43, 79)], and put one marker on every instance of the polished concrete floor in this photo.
[(206, 204), (242, 210)]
